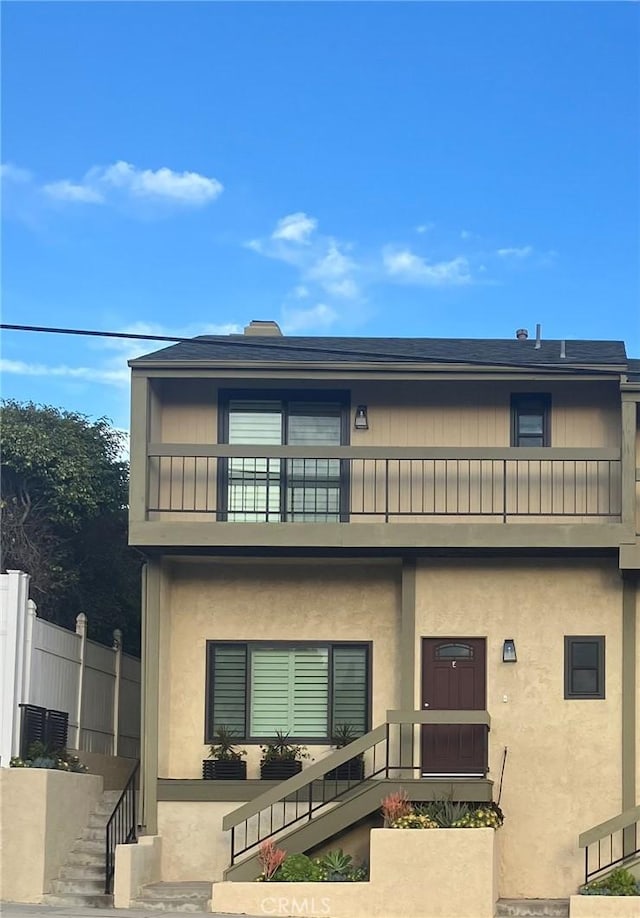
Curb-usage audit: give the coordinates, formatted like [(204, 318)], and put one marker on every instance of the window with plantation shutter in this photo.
[(228, 666), (304, 690), (273, 490)]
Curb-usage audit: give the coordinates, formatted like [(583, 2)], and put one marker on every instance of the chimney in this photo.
[(265, 328), (522, 334), (538, 343)]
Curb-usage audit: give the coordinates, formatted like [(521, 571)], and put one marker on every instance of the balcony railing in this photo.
[(382, 484)]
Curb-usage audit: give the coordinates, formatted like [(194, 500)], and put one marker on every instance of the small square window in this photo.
[(530, 420), (584, 666)]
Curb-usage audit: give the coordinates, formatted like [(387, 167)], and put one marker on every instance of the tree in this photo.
[(64, 518)]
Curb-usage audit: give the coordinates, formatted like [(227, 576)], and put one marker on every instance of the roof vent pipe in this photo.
[(563, 350), (538, 336), (522, 334)]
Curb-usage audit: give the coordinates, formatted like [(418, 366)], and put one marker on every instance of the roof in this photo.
[(248, 349), (633, 370)]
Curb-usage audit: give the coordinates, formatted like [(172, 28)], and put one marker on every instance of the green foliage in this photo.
[(299, 868), (64, 509), (414, 821), (445, 813), (620, 882), (281, 750), (224, 749), (485, 816), (42, 756)]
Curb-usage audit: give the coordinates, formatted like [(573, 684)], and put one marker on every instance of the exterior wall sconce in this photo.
[(509, 651), (360, 420)]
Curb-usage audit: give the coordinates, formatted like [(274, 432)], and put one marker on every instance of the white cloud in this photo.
[(424, 227), (522, 252), (100, 184), (407, 267), (11, 173), (113, 377), (70, 191), (301, 292), (295, 228), (332, 265), (318, 317)]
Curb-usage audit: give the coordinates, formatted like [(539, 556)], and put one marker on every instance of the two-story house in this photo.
[(431, 540)]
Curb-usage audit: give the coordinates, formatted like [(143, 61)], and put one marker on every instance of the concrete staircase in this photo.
[(80, 880), (174, 897), (532, 908)]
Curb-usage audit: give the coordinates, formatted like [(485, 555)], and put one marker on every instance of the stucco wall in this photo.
[(562, 772), (194, 847), (43, 812), (227, 600)]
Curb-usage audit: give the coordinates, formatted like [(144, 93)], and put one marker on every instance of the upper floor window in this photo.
[(530, 420), (274, 490)]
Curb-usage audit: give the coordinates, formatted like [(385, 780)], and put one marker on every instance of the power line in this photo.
[(277, 345)]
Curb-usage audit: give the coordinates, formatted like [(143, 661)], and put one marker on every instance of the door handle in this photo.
[(426, 704)]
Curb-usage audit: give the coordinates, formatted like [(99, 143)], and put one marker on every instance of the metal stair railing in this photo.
[(121, 829), (611, 843), (389, 751)]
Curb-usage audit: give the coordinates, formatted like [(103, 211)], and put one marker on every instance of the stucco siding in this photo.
[(563, 762)]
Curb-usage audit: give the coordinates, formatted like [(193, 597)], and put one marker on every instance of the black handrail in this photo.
[(121, 829)]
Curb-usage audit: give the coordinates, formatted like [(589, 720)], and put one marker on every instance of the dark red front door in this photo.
[(453, 679)]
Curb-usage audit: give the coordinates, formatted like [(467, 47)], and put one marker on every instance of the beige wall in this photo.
[(257, 600), (563, 773), (136, 866), (194, 847), (413, 413), (563, 767), (43, 812), (445, 873)]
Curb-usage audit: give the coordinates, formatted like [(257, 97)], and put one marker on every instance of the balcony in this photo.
[(379, 496)]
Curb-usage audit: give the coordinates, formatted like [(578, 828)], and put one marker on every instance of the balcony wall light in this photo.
[(509, 651), (360, 420)]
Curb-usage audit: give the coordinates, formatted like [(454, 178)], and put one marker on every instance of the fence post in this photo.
[(32, 614), (81, 630), (18, 595), (117, 646)]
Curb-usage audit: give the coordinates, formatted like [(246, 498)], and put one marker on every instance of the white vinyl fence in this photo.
[(45, 665)]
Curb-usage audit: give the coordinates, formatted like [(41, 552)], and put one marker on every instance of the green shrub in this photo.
[(299, 868), (620, 882), (414, 821)]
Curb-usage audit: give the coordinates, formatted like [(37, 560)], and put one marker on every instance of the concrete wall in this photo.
[(136, 866), (43, 812), (563, 766), (194, 847), (446, 873)]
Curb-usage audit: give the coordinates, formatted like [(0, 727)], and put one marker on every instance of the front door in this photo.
[(453, 679)]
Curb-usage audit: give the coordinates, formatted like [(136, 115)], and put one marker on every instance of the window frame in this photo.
[(569, 641), (518, 403), (209, 726), (342, 397)]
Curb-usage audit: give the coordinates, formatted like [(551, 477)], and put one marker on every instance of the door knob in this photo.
[(426, 704)]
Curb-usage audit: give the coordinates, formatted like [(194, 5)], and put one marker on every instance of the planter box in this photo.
[(212, 770), (414, 872), (352, 770), (604, 906), (279, 771)]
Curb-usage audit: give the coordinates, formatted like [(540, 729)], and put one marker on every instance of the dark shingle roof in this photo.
[(633, 369), (483, 351)]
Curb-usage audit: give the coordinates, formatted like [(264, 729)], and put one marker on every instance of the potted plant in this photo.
[(281, 759), (225, 760), (353, 770)]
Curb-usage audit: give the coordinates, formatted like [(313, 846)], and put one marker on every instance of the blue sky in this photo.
[(429, 169)]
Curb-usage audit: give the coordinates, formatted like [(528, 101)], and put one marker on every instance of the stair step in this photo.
[(92, 886), (533, 908), (189, 889), (101, 901), (192, 896), (172, 905), (82, 871), (81, 858)]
